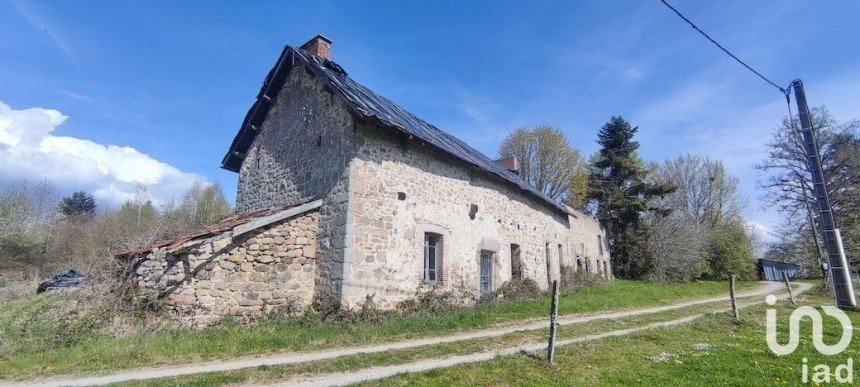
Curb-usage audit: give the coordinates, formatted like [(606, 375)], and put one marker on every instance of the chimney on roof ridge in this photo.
[(319, 46), (510, 163)]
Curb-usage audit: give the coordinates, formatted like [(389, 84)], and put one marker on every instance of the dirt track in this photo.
[(379, 372)]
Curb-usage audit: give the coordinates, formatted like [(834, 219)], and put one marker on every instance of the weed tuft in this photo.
[(514, 290)]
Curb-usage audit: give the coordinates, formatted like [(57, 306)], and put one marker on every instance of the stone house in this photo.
[(343, 194)]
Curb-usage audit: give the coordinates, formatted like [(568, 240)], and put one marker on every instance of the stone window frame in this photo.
[(441, 264), (438, 257)]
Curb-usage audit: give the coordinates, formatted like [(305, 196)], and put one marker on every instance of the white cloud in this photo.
[(28, 149), (767, 234)]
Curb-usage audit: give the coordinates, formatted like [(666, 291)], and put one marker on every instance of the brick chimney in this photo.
[(510, 163), (319, 46)]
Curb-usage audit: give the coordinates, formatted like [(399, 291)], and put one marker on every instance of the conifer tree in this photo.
[(620, 189)]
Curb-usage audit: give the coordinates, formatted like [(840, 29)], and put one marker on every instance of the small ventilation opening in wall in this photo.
[(319, 142), (401, 196), (473, 209)]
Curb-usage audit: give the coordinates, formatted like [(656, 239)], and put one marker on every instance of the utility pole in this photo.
[(839, 270), (812, 227)]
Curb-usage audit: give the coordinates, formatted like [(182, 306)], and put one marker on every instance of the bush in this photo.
[(572, 280), (515, 289), (731, 252), (432, 302)]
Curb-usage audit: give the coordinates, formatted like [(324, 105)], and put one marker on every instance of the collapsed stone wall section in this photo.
[(268, 270)]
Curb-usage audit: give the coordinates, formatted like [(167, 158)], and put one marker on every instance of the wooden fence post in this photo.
[(553, 314), (732, 293), (788, 286)]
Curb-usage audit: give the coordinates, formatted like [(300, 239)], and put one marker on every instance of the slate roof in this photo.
[(368, 105)]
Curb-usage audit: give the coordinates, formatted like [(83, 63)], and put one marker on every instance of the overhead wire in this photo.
[(785, 91), (695, 27)]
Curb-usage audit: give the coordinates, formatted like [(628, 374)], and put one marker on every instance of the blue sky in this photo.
[(104, 96)]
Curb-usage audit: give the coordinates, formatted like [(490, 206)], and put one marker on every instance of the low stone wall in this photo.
[(268, 270)]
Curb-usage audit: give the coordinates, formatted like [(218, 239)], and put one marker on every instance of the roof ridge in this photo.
[(368, 104)]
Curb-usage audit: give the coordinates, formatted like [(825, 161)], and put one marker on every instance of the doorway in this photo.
[(486, 277), (516, 262)]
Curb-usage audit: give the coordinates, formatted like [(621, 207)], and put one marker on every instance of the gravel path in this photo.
[(303, 357), (375, 373)]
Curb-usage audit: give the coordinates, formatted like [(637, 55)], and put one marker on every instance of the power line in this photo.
[(782, 90)]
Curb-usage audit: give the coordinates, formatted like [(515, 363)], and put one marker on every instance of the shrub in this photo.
[(432, 302), (572, 280), (515, 289), (369, 312), (731, 252)]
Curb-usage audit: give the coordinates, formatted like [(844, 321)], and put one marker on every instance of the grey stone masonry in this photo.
[(268, 270)]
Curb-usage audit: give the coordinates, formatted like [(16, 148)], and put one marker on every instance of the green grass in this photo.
[(269, 374), (94, 352), (736, 354)]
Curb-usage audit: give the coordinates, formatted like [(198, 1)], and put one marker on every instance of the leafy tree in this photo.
[(548, 162), (79, 203), (731, 252), (621, 190)]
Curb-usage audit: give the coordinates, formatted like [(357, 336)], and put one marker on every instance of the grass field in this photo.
[(711, 350), (29, 350), (271, 374)]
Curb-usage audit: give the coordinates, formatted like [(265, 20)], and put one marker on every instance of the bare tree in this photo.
[(676, 246), (27, 210), (706, 193), (788, 187), (706, 198)]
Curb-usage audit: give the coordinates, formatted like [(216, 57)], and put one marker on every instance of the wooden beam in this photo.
[(267, 220)]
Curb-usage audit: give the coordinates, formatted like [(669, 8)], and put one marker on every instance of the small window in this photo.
[(319, 142), (600, 244), (432, 257)]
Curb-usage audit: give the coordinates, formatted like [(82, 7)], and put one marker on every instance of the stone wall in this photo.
[(586, 234), (400, 192), (381, 192), (268, 270), (302, 153)]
